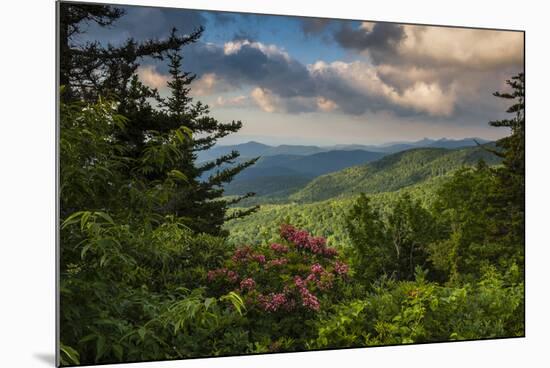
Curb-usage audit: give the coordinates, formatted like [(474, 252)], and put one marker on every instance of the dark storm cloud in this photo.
[(355, 88), (271, 69), (242, 35), (250, 65), (256, 65), (382, 38)]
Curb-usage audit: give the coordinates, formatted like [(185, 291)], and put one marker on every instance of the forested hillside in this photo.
[(392, 172), (280, 175), (325, 217)]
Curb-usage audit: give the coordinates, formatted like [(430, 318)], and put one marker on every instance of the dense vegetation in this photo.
[(422, 245), (391, 172)]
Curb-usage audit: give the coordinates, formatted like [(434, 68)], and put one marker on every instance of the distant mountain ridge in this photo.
[(287, 172), (254, 149)]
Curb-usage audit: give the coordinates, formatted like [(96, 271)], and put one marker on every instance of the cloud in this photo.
[(149, 76), (237, 101), (467, 48), (272, 51), (208, 84), (243, 62), (429, 98), (440, 71), (326, 105), (396, 44), (433, 72), (265, 99), (367, 26), (357, 87), (371, 36), (436, 84), (281, 83)]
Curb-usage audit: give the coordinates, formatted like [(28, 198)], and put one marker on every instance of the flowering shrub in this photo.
[(303, 240), (290, 276)]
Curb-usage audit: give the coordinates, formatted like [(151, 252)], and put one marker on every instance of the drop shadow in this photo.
[(45, 358)]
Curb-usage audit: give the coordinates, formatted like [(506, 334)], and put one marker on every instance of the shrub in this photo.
[(400, 312), (288, 281)]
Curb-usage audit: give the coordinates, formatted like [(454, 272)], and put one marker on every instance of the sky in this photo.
[(297, 80)]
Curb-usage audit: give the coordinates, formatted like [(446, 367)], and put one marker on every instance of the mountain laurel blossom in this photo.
[(222, 273), (340, 268), (279, 248), (248, 284), (273, 302), (282, 277), (303, 240)]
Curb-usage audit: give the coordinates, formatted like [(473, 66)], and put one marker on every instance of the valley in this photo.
[(314, 191)]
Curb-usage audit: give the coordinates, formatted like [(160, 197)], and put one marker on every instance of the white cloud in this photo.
[(364, 78), (236, 101), (233, 47), (325, 104), (149, 76), (430, 70), (265, 99), (468, 48), (367, 26), (426, 97), (206, 85)]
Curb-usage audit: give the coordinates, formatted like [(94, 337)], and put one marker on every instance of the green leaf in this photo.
[(69, 356), (84, 220), (100, 348), (180, 135), (208, 302), (105, 216), (235, 300), (141, 332), (84, 250), (87, 338), (178, 175), (117, 350), (73, 218), (103, 261)]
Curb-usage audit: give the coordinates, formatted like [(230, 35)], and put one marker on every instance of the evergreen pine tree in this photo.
[(89, 71), (200, 200), (509, 194)]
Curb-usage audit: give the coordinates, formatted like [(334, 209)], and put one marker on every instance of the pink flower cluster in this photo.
[(242, 254), (279, 248), (223, 273), (248, 284), (322, 278), (276, 262), (303, 240), (275, 301), (245, 253), (260, 258), (313, 270), (309, 300), (317, 268), (340, 268)]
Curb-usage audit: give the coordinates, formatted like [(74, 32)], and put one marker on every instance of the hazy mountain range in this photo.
[(309, 173), (254, 149)]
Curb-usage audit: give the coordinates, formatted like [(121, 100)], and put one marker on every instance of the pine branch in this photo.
[(229, 158), (241, 213), (226, 175)]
